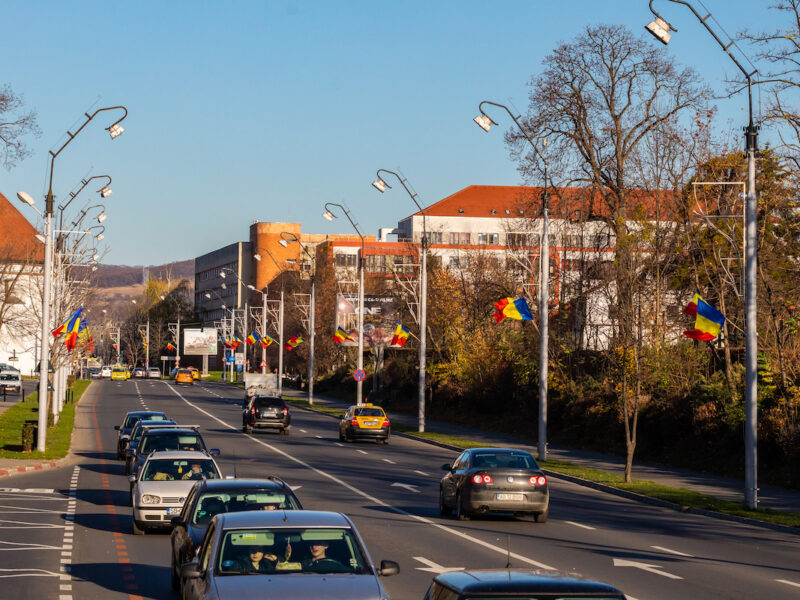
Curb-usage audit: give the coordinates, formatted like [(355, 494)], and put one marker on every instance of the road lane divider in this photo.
[(447, 529), (668, 551)]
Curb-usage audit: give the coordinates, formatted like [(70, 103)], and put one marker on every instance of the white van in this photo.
[(10, 382)]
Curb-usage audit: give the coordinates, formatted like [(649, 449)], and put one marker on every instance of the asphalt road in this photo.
[(391, 493)]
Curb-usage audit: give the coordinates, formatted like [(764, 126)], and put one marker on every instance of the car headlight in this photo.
[(151, 499)]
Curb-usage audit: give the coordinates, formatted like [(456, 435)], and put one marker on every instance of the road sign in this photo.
[(263, 363), (230, 358), (359, 374)]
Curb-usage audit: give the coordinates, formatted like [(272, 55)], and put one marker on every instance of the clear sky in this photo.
[(266, 110)]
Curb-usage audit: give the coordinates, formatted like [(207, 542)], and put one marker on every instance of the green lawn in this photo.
[(58, 437)]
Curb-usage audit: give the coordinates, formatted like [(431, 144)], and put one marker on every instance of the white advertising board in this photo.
[(200, 341)]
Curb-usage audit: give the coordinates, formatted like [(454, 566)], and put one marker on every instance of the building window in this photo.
[(460, 238), (345, 260), (488, 239), (519, 240), (434, 237), (454, 263)]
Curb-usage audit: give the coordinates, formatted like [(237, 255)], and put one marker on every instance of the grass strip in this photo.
[(58, 436)]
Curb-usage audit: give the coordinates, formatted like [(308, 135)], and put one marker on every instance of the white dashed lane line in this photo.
[(581, 525), (668, 551), (361, 451)]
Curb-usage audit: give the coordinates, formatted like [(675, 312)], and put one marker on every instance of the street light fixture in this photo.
[(328, 214), (485, 123), (280, 316), (101, 217), (381, 185), (751, 266)]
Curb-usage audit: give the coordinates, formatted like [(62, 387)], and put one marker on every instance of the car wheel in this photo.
[(542, 516), (462, 514), (136, 529), (246, 429), (285, 431), (444, 510)]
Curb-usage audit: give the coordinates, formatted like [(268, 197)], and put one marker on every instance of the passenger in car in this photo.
[(319, 561), (256, 561)]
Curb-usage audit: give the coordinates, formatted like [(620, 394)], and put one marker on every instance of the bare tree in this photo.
[(15, 125)]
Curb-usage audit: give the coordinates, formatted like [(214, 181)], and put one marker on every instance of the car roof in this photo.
[(179, 429), (499, 450), (511, 581), (283, 518), (176, 454), (145, 412), (221, 485)]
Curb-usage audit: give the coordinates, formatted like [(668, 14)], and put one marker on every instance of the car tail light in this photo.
[(285, 410), (478, 478), (354, 422), (253, 410), (538, 480), (385, 422)]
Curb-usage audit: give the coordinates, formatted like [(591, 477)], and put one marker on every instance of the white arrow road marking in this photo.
[(668, 551), (618, 562), (423, 473), (22, 509), (28, 546), (581, 525), (408, 486), (28, 490), (432, 567), (391, 462), (787, 582), (28, 525), (27, 573)]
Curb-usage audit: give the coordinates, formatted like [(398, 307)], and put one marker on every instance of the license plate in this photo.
[(518, 497), (370, 423), (174, 510)]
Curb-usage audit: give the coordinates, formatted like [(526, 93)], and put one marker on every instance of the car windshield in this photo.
[(133, 419), (213, 503), (164, 469), (8, 377), (138, 428), (307, 550), (170, 441), (367, 412), (503, 460)]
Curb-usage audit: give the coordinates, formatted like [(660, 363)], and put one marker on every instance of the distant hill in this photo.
[(114, 276)]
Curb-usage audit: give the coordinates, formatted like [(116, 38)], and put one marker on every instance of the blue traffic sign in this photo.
[(359, 374)]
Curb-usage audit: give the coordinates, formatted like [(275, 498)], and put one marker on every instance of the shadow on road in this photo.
[(150, 581)]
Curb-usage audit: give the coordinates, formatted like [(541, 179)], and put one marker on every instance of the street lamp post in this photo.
[(485, 123), (328, 215), (257, 256), (381, 185), (104, 192), (660, 28), (114, 130), (264, 297)]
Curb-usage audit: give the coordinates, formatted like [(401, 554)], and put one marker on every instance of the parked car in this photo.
[(10, 382), (161, 486), (483, 480), (136, 436), (364, 422), (513, 583), (154, 373), (139, 372), (129, 421), (266, 412), (105, 372), (318, 554), (212, 497)]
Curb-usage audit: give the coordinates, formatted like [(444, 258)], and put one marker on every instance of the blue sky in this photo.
[(266, 110)]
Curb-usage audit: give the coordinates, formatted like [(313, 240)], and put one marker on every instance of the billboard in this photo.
[(380, 313), (200, 341)]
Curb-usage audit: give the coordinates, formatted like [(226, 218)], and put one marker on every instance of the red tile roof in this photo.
[(17, 236), (509, 201)]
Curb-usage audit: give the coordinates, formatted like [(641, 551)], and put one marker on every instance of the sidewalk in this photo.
[(719, 487)]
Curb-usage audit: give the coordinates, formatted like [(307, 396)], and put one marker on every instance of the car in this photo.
[(139, 372), (195, 373), (119, 374), (154, 373), (209, 498), (157, 438), (516, 583), (136, 436), (173, 372), (105, 372), (483, 480), (184, 376), (161, 486), (129, 421), (364, 422), (317, 554), (266, 412), (95, 372), (10, 382)]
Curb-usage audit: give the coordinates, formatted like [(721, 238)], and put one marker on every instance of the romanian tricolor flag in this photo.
[(85, 335), (707, 320), (72, 323), (293, 343), (341, 335), (400, 335), (252, 338), (267, 340), (170, 347), (513, 308), (236, 342)]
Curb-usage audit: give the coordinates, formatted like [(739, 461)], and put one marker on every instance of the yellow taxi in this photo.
[(364, 422), (195, 372), (119, 374), (184, 376)]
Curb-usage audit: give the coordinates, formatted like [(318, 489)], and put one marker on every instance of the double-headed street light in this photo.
[(660, 28), (485, 122), (257, 257), (104, 192), (330, 216), (114, 130), (381, 185)]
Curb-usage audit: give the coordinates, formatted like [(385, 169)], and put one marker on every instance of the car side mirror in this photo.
[(191, 570), (116, 427), (176, 521), (132, 478), (388, 567), (214, 452), (446, 467)]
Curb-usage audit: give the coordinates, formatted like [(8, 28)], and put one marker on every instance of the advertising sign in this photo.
[(379, 318), (200, 341)]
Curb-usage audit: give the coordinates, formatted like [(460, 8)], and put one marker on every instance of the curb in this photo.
[(40, 467), (615, 491)]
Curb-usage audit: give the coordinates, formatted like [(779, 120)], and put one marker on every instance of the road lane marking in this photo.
[(455, 532), (432, 567), (303, 431), (407, 486), (338, 444), (668, 551), (391, 462), (27, 490), (27, 573), (319, 437), (655, 569), (581, 525), (423, 473), (28, 546), (787, 582), (362, 451)]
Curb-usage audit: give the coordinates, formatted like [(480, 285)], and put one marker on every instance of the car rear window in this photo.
[(214, 503), (133, 419), (268, 403), (503, 460), (368, 412), (170, 441)]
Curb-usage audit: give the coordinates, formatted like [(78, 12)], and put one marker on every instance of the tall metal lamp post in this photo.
[(485, 123), (114, 130), (257, 256), (329, 216), (264, 298), (660, 28), (381, 185), (104, 192)]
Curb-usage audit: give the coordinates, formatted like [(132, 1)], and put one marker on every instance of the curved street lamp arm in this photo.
[(86, 210), (414, 197), (73, 195), (349, 218), (291, 238)]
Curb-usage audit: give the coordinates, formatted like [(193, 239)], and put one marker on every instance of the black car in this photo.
[(127, 426), (266, 412), (155, 438), (136, 435), (212, 497), (512, 583), (483, 480)]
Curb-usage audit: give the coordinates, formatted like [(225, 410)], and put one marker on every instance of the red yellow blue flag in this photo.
[(341, 335), (400, 335), (72, 323), (513, 308), (293, 343), (267, 340), (170, 347), (252, 338), (708, 320)]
